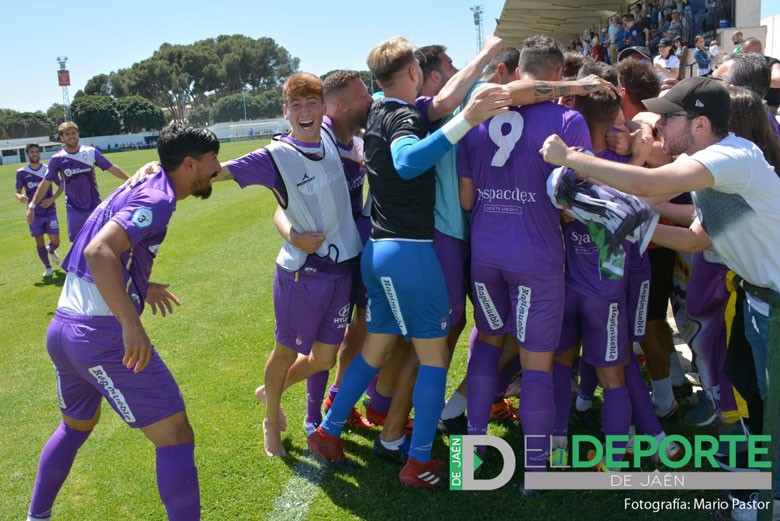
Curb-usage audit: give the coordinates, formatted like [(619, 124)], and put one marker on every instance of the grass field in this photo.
[(219, 259)]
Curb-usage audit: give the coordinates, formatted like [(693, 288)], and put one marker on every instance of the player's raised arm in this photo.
[(454, 91)]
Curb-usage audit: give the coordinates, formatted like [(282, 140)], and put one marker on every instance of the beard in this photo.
[(203, 193)]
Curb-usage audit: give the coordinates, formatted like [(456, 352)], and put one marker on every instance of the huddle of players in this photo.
[(518, 288)]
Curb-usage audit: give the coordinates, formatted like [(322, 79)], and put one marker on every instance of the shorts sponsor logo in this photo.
[(298, 340), (523, 307), (142, 217), (488, 308), (612, 333), (640, 320), (154, 248), (342, 318), (368, 310), (443, 323), (54, 224), (392, 299), (60, 397), (114, 394)]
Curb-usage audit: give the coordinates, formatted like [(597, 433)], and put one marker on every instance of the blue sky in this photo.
[(100, 37)]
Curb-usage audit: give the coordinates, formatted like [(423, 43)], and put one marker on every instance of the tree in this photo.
[(231, 108), (16, 125), (96, 115), (56, 114), (270, 103), (200, 115), (139, 114)]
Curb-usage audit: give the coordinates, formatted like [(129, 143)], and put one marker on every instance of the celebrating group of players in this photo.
[(356, 281)]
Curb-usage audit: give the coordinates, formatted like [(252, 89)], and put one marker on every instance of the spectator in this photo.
[(681, 51), (666, 63), (597, 50), (736, 39), (637, 31), (701, 56)]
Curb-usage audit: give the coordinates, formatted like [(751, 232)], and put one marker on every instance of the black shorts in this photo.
[(662, 261)]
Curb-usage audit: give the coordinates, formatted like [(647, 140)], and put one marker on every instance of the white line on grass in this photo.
[(293, 503)]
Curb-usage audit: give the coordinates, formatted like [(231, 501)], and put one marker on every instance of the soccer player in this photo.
[(406, 288), (97, 342), (734, 189), (311, 291), (45, 215), (347, 102), (513, 227), (75, 164)]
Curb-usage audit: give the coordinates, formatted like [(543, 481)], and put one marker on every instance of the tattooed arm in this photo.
[(528, 92)]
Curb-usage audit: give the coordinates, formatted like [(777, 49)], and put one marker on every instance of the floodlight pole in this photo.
[(477, 11), (63, 60)]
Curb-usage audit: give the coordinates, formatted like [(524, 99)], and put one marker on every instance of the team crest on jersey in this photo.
[(142, 217), (84, 155)]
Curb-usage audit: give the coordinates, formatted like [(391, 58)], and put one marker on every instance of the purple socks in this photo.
[(616, 414), (642, 410), (56, 459), (177, 482), (315, 390), (481, 378), (537, 416), (562, 382), (43, 253)]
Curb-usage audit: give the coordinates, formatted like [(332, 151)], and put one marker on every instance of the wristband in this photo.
[(456, 128), (31, 205)]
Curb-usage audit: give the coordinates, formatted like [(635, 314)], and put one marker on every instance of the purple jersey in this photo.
[(514, 224), (143, 212), (582, 256), (354, 169), (29, 179), (78, 173), (258, 168)]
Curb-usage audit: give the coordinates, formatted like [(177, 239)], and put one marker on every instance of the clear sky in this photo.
[(100, 37)]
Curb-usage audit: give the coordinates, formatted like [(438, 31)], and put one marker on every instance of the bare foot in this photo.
[(260, 395), (272, 440)]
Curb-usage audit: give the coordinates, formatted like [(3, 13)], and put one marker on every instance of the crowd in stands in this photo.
[(681, 32)]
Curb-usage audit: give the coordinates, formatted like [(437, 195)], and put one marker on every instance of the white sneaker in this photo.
[(309, 428), (54, 257), (748, 511), (47, 273)]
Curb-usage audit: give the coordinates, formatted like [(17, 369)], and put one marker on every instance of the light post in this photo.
[(243, 91)]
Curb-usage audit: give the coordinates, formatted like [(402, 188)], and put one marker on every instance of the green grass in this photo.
[(219, 259)]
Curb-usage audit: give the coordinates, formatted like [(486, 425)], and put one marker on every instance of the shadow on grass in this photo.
[(57, 280)]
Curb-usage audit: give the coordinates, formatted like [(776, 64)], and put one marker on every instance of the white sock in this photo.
[(455, 406), (663, 397), (560, 442), (393, 445), (582, 404), (660, 437), (675, 369)]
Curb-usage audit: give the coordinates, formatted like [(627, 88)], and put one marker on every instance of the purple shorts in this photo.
[(87, 354), (47, 224), (601, 324), (76, 220), (310, 307), (638, 299), (530, 305), (453, 257)]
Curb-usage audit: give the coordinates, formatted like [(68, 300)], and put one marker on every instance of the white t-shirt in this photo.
[(671, 62), (741, 211)]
